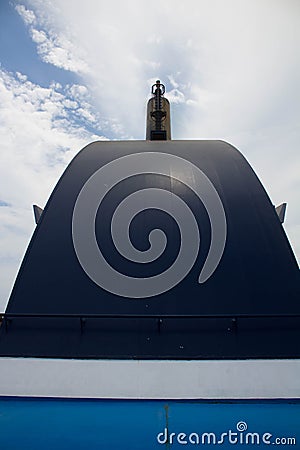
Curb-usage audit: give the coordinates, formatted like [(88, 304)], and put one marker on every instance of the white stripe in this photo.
[(123, 379)]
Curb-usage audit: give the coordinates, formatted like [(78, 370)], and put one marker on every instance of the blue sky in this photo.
[(73, 72)]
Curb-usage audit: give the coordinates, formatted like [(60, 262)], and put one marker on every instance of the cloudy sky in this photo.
[(72, 72)]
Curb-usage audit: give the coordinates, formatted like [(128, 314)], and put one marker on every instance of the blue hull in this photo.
[(42, 424)]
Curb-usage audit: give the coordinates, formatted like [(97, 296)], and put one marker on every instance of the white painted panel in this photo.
[(123, 379)]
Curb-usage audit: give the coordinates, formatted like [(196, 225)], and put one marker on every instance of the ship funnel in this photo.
[(158, 115)]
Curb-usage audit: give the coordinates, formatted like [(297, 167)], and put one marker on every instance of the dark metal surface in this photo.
[(37, 211), (241, 311), (280, 210)]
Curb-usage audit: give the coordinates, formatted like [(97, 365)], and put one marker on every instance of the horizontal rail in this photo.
[(147, 316)]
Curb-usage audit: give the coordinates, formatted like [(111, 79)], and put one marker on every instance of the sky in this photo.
[(73, 72)]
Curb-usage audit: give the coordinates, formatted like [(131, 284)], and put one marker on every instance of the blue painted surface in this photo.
[(103, 424)]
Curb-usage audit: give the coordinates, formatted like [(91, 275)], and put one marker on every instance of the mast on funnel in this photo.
[(158, 115)]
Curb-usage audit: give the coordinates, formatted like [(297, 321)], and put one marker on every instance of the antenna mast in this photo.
[(158, 115)]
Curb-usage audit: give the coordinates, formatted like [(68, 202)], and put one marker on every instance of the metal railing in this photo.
[(160, 318)]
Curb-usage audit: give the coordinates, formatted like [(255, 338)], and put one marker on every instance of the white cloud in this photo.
[(175, 96), (78, 91), (53, 47), (27, 15), (173, 82), (154, 65), (59, 51), (153, 39), (38, 139), (38, 36)]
